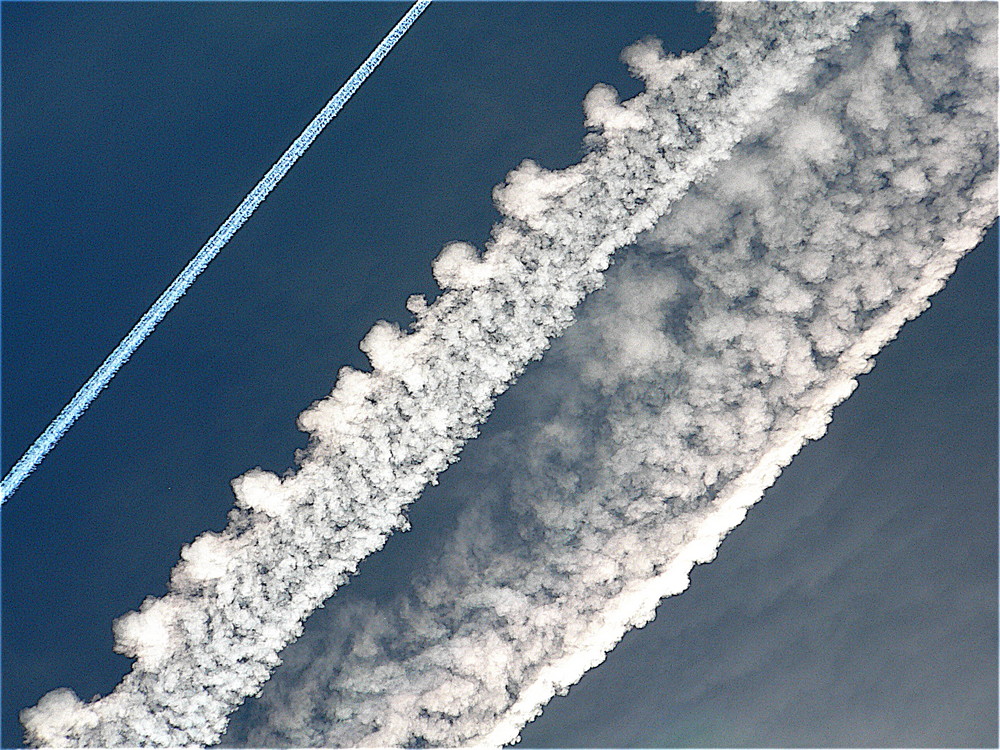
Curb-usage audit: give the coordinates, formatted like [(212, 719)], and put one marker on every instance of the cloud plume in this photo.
[(239, 596), (722, 342)]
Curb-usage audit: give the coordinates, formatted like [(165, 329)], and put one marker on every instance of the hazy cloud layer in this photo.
[(237, 597), (721, 344)]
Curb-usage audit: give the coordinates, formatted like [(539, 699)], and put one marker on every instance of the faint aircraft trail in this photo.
[(102, 376)]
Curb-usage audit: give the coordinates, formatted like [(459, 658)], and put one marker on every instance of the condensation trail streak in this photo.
[(102, 376)]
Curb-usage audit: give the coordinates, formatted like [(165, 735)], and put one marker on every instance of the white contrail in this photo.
[(239, 596), (102, 376), (720, 346)]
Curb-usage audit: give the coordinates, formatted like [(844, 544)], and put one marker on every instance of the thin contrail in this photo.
[(102, 376)]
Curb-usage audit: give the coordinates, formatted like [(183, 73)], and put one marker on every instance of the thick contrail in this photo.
[(97, 382), (239, 596), (720, 346)]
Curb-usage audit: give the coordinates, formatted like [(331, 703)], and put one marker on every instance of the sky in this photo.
[(860, 590)]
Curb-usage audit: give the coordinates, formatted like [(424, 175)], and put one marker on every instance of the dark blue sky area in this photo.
[(130, 131)]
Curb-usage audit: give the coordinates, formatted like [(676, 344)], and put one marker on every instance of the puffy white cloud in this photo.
[(256, 490), (207, 557), (145, 634), (59, 716), (602, 111)]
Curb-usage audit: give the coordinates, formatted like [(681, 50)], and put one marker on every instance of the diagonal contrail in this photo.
[(721, 343), (102, 376)]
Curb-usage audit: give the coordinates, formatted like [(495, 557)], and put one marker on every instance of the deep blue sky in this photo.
[(130, 130)]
